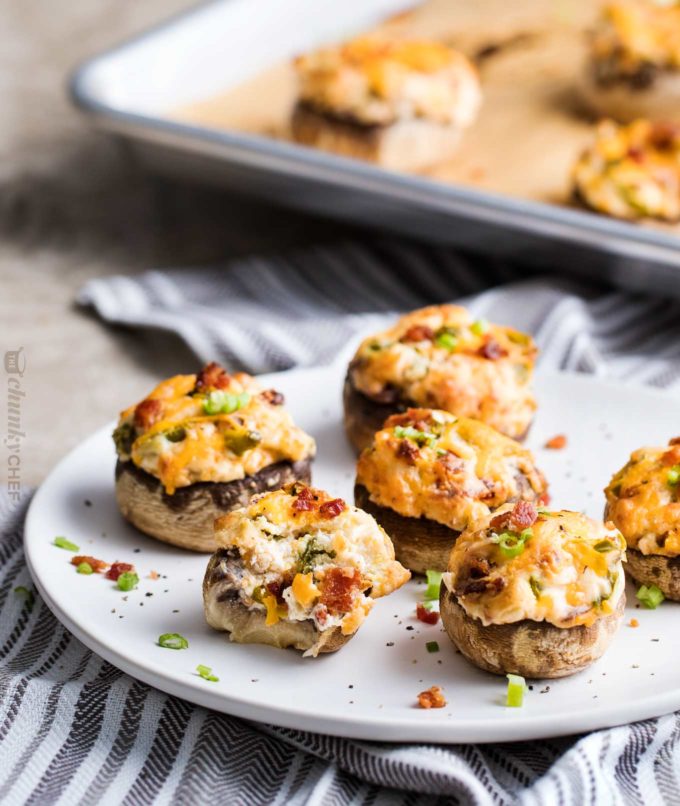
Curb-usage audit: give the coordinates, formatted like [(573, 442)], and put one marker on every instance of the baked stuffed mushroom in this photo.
[(402, 104), (643, 500), (199, 446), (534, 593), (631, 171), (297, 568), (429, 475), (634, 66), (440, 357)]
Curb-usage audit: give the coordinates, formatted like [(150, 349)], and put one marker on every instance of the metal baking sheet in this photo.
[(136, 89)]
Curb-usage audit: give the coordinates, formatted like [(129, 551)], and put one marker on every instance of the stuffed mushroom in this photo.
[(441, 357), (643, 500), (632, 171), (199, 446), (634, 66), (428, 476), (297, 568), (401, 104), (534, 593)]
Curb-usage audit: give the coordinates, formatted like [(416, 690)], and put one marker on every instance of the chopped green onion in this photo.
[(173, 640), (673, 476), (434, 581), (219, 402), (604, 546), (374, 347), (24, 593), (536, 587), (176, 434), (240, 441), (512, 544), (420, 437), (127, 581), (516, 688), (84, 568), (63, 543), (432, 646), (651, 596), (206, 673), (479, 327), (446, 340)]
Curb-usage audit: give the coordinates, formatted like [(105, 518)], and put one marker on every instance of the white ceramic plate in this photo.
[(368, 689)]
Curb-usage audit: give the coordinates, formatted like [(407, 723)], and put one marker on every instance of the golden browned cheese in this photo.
[(643, 500), (449, 469), (377, 81), (307, 543), (172, 435), (639, 32), (567, 571), (631, 171), (440, 357)]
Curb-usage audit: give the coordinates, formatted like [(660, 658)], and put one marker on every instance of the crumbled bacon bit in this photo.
[(418, 333), (117, 569), (276, 589), (557, 442), (304, 500), (273, 397), (451, 462), (544, 498), (331, 509), (425, 615), (321, 614), (671, 457), (418, 418), (674, 441), (521, 516), (212, 376), (407, 450), (154, 575), (486, 585), (636, 154), (633, 623), (433, 697), (147, 413), (96, 565), (492, 350), (338, 588)]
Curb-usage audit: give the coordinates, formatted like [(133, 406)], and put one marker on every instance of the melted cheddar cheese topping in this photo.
[(455, 471), (643, 500), (631, 171), (440, 357), (305, 555), (568, 571), (171, 435), (376, 81), (633, 34)]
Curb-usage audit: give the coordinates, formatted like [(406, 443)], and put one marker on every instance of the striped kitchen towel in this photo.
[(73, 729)]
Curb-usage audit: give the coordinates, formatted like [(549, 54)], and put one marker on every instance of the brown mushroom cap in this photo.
[(655, 569), (186, 517)]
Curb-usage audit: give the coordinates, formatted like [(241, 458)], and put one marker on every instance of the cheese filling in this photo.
[(452, 470), (186, 431), (564, 569)]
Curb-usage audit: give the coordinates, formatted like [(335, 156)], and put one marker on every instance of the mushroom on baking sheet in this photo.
[(536, 593), (297, 568), (199, 446)]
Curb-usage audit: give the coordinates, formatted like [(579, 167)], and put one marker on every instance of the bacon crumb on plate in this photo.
[(557, 442), (117, 569), (96, 565), (154, 575), (425, 615), (433, 697), (633, 623)]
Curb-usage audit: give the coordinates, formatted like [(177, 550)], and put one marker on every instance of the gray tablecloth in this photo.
[(73, 729)]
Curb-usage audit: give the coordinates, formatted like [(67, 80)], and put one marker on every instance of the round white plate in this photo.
[(367, 690)]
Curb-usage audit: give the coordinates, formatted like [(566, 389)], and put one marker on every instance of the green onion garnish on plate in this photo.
[(650, 596), (432, 646), (434, 581), (127, 581), (173, 640), (206, 673), (84, 568), (516, 688), (63, 543)]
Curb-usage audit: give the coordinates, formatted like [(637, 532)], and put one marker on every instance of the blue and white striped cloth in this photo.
[(74, 729)]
